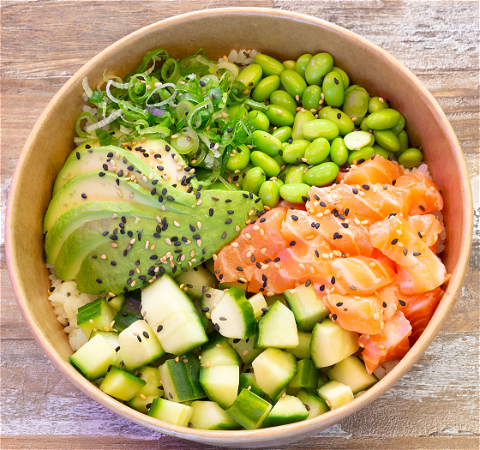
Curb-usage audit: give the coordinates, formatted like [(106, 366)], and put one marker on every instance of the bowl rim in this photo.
[(262, 435)]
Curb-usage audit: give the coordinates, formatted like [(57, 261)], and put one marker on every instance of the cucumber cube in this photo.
[(171, 412), (120, 384), (248, 381), (277, 328), (112, 338), (129, 312), (94, 358), (218, 352), (331, 343), (209, 416), (273, 370), (196, 280), (210, 299), (246, 349), (307, 375), (220, 383), (307, 307), (352, 372), (142, 401), (335, 394), (275, 298), (97, 315), (116, 302), (259, 304), (249, 410), (315, 405), (302, 350), (287, 410)]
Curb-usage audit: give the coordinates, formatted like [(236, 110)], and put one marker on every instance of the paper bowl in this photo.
[(281, 34)]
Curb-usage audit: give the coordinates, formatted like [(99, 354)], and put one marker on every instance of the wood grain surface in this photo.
[(435, 406)]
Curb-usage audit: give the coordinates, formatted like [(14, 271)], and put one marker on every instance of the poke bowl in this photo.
[(282, 38)]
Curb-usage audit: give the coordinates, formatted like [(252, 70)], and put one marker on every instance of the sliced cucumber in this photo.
[(116, 302), (352, 372), (277, 328), (97, 315), (94, 358), (330, 343), (288, 409), (196, 281), (307, 375), (259, 304), (218, 352), (210, 299), (302, 350), (143, 399), (209, 416), (233, 284), (274, 369), (129, 312), (171, 412), (307, 307), (112, 338), (249, 410), (335, 394), (248, 381), (246, 349), (121, 384), (220, 383), (233, 317), (315, 405)]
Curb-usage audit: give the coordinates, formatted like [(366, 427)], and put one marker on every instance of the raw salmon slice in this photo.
[(354, 313), (427, 226), (389, 296), (419, 309), (377, 254), (425, 195), (372, 171), (419, 269), (391, 344)]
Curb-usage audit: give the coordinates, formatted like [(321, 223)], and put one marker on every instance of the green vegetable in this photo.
[(311, 97), (333, 90), (289, 64), (295, 174), (383, 119), (376, 104), (254, 179), (339, 151), (344, 123), (410, 158), (269, 65), (266, 143), (240, 159), (269, 193), (266, 163), (301, 64), (321, 175), (360, 156), (295, 151), (265, 88), (283, 134), (320, 128), (284, 99), (295, 192), (318, 67), (293, 82), (258, 120), (387, 139), (250, 76), (317, 151), (301, 118)]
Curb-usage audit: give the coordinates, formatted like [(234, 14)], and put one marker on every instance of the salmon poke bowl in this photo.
[(236, 243)]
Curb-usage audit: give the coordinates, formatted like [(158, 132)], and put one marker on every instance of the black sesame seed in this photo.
[(228, 221), (333, 280), (405, 251), (416, 253), (84, 195), (402, 302), (292, 243), (336, 82), (339, 116), (217, 327), (322, 287), (308, 283), (339, 304), (334, 317), (394, 241), (422, 207), (366, 187), (355, 191)]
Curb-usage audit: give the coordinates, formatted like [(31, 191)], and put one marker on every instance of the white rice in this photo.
[(242, 57)]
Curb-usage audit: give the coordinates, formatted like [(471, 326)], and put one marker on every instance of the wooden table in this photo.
[(435, 406)]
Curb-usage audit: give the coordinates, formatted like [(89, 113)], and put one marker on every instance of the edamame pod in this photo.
[(376, 104), (410, 158), (282, 134), (339, 151), (293, 82), (270, 66), (317, 151), (295, 174), (343, 74), (253, 180), (258, 120), (311, 97), (295, 192), (321, 175), (269, 193), (279, 115), (383, 119), (284, 99), (250, 76), (294, 152), (399, 126), (318, 67), (266, 88), (301, 63), (289, 64), (320, 128), (266, 143), (359, 156), (344, 123), (387, 140), (380, 151), (333, 90), (355, 103), (357, 139), (266, 163), (403, 140), (240, 159), (301, 118)]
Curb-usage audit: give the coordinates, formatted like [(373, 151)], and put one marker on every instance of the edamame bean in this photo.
[(317, 151), (270, 66), (311, 97), (318, 67), (266, 143), (375, 104), (278, 182), (266, 163), (279, 160), (383, 119), (355, 103), (269, 193), (295, 192), (343, 74), (237, 109), (258, 120), (301, 118), (282, 134), (339, 151), (279, 115), (284, 99), (387, 140), (321, 175), (253, 180), (266, 88), (289, 64), (399, 126), (372, 140), (403, 140), (364, 127), (250, 76), (295, 174), (352, 87), (284, 172), (359, 156), (410, 158), (320, 128), (357, 139), (293, 82), (294, 152), (301, 64), (380, 151), (333, 90), (240, 159), (344, 123)]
